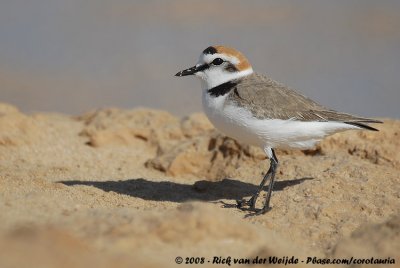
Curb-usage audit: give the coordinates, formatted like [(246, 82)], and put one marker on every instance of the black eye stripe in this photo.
[(203, 67), (231, 68)]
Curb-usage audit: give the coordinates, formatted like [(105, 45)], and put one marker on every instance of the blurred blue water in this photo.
[(73, 56)]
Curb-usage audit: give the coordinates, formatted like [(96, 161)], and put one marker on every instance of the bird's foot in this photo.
[(248, 205), (251, 203), (264, 210), (226, 205), (243, 204)]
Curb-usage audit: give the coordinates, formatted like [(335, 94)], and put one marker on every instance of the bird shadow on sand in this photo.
[(177, 192)]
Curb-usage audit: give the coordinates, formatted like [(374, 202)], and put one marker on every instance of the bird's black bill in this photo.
[(192, 70)]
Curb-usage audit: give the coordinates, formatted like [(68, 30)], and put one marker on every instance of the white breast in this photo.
[(230, 120), (238, 123)]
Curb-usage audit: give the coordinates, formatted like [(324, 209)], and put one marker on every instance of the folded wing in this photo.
[(266, 98)]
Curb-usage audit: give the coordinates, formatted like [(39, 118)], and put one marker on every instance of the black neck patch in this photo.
[(210, 50), (222, 89)]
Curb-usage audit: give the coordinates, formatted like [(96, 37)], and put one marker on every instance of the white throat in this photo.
[(216, 77)]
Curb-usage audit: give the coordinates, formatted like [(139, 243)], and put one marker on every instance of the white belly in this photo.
[(239, 124)]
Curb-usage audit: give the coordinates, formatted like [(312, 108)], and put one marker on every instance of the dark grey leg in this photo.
[(269, 176), (252, 201), (266, 207)]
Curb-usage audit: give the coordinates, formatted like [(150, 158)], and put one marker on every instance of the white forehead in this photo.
[(207, 58)]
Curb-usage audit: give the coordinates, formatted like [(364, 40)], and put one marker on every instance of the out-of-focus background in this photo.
[(73, 56)]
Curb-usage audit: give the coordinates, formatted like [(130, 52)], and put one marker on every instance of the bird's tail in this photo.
[(363, 124)]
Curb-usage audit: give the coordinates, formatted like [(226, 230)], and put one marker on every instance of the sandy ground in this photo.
[(137, 188)]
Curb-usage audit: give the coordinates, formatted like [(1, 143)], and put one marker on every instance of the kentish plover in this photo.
[(257, 110)]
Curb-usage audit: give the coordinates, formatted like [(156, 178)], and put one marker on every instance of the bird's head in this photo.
[(219, 64)]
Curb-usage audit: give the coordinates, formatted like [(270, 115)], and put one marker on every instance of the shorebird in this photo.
[(257, 110)]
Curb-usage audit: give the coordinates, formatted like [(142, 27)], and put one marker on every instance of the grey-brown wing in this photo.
[(266, 98)]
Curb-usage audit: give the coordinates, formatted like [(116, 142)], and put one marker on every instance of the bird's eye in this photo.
[(217, 61)]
